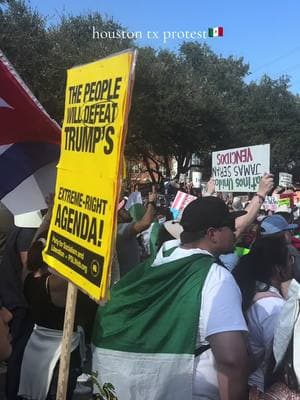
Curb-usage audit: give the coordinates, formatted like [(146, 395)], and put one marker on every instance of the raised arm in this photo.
[(149, 215), (265, 185)]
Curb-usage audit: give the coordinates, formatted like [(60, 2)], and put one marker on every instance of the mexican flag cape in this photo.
[(145, 337)]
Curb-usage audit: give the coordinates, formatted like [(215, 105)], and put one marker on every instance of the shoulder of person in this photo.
[(125, 229), (221, 272), (219, 276), (266, 306), (271, 302)]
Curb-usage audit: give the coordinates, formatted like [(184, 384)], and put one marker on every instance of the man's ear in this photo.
[(211, 234)]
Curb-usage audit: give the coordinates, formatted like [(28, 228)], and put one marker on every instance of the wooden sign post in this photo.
[(64, 365)]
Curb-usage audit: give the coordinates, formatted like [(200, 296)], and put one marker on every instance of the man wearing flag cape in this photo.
[(174, 327)]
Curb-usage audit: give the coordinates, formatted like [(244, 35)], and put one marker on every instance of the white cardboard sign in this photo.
[(196, 177), (240, 169), (285, 179)]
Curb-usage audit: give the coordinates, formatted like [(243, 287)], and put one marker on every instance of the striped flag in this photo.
[(29, 145), (180, 202), (218, 31)]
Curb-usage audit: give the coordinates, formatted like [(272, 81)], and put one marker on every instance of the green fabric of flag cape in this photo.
[(154, 236), (154, 309), (145, 337)]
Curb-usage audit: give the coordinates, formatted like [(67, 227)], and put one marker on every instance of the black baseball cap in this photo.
[(208, 212)]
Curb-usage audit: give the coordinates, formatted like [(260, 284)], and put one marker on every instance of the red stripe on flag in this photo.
[(22, 117), (179, 199)]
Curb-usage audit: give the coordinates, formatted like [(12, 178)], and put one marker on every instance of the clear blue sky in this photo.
[(265, 33)]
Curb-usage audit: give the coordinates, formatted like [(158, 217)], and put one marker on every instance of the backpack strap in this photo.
[(201, 349)]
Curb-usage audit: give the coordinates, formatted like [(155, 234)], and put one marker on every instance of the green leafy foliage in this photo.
[(42, 54), (188, 102)]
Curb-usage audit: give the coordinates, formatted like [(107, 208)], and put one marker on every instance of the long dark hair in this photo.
[(259, 265)]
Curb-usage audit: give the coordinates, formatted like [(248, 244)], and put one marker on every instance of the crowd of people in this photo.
[(205, 307)]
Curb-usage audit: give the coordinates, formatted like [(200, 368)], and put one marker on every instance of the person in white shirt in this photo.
[(259, 276), (221, 372), (156, 361)]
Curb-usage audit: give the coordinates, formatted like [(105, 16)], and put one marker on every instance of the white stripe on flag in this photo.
[(138, 376), (4, 147), (4, 104), (134, 198), (31, 193)]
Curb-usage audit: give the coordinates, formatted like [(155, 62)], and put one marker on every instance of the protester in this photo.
[(46, 296), (265, 185), (277, 225), (128, 251), (13, 269), (146, 337), (156, 233), (286, 347), (14, 262), (253, 207), (246, 225), (284, 370), (243, 223), (247, 238), (259, 275)]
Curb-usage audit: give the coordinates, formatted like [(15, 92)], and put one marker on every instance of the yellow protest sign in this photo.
[(80, 237)]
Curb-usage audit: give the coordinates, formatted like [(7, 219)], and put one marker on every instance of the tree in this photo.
[(188, 102), (72, 44), (269, 113), (42, 55), (182, 103), (23, 39)]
